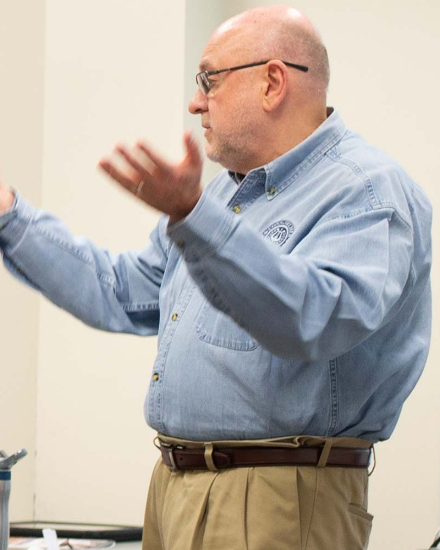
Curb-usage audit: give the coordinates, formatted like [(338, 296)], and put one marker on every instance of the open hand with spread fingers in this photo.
[(171, 188)]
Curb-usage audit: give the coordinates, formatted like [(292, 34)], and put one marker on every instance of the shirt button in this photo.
[(180, 244), (155, 376), (237, 209), (271, 191), (174, 317)]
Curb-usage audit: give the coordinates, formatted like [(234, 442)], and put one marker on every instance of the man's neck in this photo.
[(281, 143)]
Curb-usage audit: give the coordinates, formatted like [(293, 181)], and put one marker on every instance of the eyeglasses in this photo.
[(204, 82)]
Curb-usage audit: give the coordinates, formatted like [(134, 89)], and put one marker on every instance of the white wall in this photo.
[(201, 18), (114, 71), (21, 131)]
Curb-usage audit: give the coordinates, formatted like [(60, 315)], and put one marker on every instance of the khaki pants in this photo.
[(259, 508)]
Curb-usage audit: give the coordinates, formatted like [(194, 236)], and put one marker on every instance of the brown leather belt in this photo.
[(177, 457)]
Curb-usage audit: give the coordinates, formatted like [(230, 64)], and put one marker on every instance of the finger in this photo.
[(192, 147), (154, 157), (118, 176), (132, 161)]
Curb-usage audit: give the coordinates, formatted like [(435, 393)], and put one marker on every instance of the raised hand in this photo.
[(6, 197), (171, 188)]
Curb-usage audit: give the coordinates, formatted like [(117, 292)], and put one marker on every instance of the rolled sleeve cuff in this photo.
[(206, 228)]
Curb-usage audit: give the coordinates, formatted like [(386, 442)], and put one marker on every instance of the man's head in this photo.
[(256, 114)]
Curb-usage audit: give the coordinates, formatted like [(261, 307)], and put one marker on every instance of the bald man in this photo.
[(291, 298)]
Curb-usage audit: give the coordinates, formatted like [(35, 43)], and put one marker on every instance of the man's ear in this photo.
[(275, 86)]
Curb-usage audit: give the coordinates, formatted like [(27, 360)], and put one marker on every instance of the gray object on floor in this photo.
[(6, 464)]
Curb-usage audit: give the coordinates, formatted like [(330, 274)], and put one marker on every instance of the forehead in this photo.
[(227, 47)]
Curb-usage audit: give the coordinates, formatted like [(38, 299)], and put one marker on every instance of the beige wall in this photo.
[(115, 71)]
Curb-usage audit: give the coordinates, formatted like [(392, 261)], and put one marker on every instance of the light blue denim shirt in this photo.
[(295, 301)]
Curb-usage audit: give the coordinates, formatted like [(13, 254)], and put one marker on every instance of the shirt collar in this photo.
[(281, 172)]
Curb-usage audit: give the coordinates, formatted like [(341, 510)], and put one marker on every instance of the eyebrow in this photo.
[(205, 66)]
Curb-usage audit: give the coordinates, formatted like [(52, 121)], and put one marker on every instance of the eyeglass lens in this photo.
[(203, 82)]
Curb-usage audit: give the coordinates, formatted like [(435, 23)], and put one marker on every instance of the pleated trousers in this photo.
[(261, 507)]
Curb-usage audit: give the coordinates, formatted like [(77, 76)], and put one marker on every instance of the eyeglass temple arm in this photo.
[(300, 67), (211, 73)]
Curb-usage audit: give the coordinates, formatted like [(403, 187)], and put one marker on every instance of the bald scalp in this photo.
[(285, 33)]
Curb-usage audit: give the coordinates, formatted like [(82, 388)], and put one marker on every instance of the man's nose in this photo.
[(198, 103)]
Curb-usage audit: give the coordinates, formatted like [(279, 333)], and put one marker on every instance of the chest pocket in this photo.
[(216, 328)]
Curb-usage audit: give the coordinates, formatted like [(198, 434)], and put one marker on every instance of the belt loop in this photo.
[(374, 461), (325, 452), (209, 447)]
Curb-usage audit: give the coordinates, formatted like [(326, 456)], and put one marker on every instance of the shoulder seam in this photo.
[(359, 173), (335, 156)]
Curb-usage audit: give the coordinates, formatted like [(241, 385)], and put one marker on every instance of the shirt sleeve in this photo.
[(117, 293), (339, 285)]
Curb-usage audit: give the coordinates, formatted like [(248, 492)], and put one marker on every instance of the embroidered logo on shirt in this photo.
[(279, 232)]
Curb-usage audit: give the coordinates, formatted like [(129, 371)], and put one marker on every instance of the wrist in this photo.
[(179, 215), (6, 200)]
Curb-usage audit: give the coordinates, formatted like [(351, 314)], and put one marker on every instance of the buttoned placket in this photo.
[(156, 385)]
